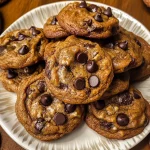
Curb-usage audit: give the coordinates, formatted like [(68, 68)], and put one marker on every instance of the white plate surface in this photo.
[(82, 138)]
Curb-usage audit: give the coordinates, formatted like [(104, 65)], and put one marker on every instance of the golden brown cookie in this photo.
[(143, 71), (52, 29), (11, 78), (124, 51), (21, 48), (77, 71), (119, 84), (88, 20), (42, 115), (120, 117)]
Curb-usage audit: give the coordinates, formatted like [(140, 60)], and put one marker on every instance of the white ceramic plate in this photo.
[(82, 138)]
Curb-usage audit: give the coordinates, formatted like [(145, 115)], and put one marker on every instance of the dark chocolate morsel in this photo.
[(39, 124), (100, 104), (83, 4), (60, 118), (21, 37), (46, 99), (54, 20), (136, 96), (98, 17), (23, 50), (69, 108), (34, 31), (11, 74), (91, 66), (79, 83), (123, 45), (41, 86), (94, 81), (81, 57), (122, 119), (108, 12), (92, 8)]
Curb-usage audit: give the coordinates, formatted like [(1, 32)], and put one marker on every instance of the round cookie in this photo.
[(21, 48), (53, 30), (143, 71), (120, 117), (77, 71), (42, 115), (11, 78), (119, 84), (88, 20)]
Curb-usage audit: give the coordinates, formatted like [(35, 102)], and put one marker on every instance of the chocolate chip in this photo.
[(11, 74), (40, 124), (115, 29), (110, 45), (46, 99), (81, 57), (122, 119), (105, 124), (91, 66), (34, 31), (21, 37), (100, 104), (60, 119), (92, 8), (30, 69), (98, 17), (123, 45), (69, 108), (136, 96), (38, 45), (94, 81), (79, 83), (83, 4), (41, 86), (63, 86), (132, 63), (138, 42), (28, 90), (13, 38), (108, 12), (54, 20), (2, 48), (68, 68), (124, 98), (23, 50)]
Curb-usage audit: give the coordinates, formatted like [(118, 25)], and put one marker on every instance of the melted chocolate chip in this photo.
[(41, 86), (138, 42), (21, 37), (54, 21), (123, 45), (91, 66), (81, 57), (2, 48), (40, 124), (11, 74), (69, 108), (124, 98), (79, 83), (83, 4), (100, 104), (46, 99), (23, 50), (98, 17), (136, 96), (122, 119), (63, 86), (94, 81), (35, 32), (108, 12), (60, 118), (105, 124), (92, 8)]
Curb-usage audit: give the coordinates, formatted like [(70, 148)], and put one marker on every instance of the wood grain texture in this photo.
[(16, 8)]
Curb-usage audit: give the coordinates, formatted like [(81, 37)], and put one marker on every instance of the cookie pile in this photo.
[(81, 56)]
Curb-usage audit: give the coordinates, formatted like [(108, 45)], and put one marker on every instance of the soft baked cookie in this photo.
[(21, 48), (143, 71), (11, 78), (88, 20), (120, 117), (77, 71), (124, 51), (42, 115), (52, 29), (119, 84)]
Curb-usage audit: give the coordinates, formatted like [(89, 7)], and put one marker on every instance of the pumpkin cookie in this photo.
[(42, 115)]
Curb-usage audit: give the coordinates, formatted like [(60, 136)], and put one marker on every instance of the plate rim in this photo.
[(42, 6)]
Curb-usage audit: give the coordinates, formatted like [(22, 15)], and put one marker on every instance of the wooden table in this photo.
[(16, 8)]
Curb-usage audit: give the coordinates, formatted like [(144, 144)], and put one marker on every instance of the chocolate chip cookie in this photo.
[(143, 71), (22, 48), (11, 78), (53, 30), (88, 20), (119, 84), (42, 115), (77, 71), (120, 117), (124, 51)]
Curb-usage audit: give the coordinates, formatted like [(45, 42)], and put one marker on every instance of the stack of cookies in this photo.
[(81, 59)]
